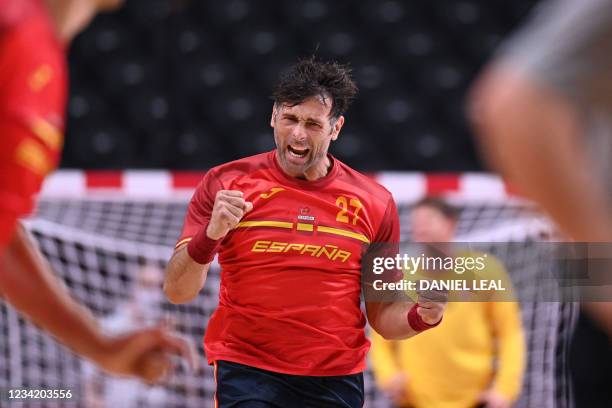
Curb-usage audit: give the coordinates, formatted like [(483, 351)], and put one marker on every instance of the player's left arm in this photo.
[(400, 319)]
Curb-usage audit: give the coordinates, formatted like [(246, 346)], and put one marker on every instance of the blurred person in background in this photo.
[(476, 356), (543, 113), (33, 92)]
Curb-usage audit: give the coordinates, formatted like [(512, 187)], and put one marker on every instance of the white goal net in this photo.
[(110, 245)]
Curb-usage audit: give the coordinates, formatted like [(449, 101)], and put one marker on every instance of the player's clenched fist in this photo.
[(431, 305), (228, 210)]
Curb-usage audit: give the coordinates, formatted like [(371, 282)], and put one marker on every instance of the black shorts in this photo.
[(241, 386)]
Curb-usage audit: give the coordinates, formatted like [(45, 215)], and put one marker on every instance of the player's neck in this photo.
[(321, 170), (316, 172)]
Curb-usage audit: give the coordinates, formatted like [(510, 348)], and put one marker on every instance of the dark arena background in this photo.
[(162, 90), (186, 84)]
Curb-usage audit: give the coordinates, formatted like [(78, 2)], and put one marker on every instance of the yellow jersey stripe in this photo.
[(304, 227), (344, 233), (300, 227), (181, 242), (273, 224)]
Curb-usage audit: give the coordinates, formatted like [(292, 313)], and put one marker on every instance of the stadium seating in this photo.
[(186, 84)]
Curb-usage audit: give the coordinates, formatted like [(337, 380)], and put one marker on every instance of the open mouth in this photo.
[(297, 153)]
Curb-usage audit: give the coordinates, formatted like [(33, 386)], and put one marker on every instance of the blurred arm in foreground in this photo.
[(33, 35), (543, 114)]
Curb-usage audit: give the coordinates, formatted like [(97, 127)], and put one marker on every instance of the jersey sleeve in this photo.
[(387, 240), (200, 207), (385, 245), (389, 230)]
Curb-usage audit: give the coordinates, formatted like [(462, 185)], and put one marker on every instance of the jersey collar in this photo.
[(300, 183)]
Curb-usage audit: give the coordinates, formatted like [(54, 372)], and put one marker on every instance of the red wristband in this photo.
[(203, 249), (416, 321)]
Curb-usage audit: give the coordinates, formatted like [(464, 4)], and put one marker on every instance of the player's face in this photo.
[(302, 134), (430, 225)]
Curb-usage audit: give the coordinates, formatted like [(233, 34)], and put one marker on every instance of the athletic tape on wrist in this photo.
[(203, 249)]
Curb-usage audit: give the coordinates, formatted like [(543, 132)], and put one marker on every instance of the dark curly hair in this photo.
[(310, 77)]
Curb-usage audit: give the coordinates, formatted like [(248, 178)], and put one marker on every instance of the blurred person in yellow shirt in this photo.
[(474, 358)]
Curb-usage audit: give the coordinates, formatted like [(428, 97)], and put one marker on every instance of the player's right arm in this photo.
[(184, 277), (211, 215)]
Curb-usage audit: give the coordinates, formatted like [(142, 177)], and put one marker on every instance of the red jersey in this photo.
[(33, 91), (289, 299)]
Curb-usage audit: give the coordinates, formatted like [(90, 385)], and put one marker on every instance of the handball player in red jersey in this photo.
[(33, 91), (289, 226)]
